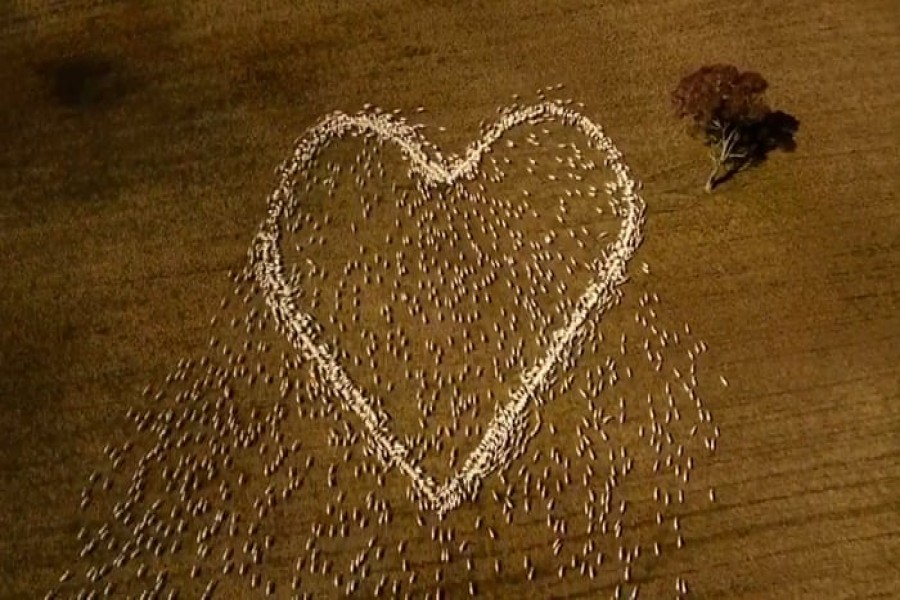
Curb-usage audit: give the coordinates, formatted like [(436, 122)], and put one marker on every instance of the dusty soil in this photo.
[(138, 148)]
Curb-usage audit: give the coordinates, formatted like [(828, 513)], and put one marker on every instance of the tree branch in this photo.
[(728, 144)]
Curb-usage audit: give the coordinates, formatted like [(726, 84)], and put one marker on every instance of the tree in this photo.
[(727, 109)]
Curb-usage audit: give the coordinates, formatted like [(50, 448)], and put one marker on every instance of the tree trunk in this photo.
[(711, 180), (720, 153)]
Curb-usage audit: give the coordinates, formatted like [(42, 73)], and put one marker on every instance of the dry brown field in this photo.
[(137, 146)]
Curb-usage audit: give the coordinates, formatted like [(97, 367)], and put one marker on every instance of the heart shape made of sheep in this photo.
[(505, 430)]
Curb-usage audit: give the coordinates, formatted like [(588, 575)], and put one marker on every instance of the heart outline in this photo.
[(507, 425)]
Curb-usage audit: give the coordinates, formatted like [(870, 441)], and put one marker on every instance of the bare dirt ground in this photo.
[(139, 140)]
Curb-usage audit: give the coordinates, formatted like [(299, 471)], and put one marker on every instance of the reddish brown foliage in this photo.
[(727, 108), (719, 97)]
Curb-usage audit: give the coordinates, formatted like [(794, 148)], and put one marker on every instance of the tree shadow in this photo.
[(775, 131), (84, 82)]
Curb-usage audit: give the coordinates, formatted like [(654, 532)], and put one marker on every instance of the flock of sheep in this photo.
[(368, 298), (500, 440)]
